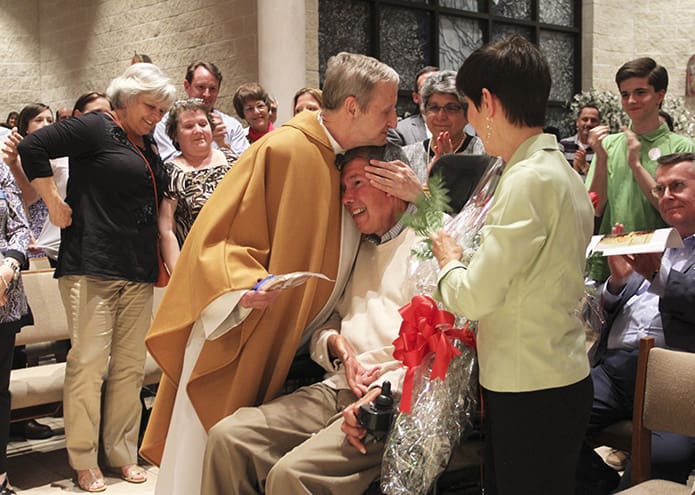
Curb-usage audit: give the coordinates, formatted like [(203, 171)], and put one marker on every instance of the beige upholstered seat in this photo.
[(664, 394), (657, 487), (43, 384)]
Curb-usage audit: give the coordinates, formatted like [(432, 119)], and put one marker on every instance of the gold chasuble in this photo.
[(278, 210)]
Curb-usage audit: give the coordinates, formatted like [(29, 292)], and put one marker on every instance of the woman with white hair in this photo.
[(107, 262)]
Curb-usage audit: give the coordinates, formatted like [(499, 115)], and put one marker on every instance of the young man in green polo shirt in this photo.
[(622, 171)]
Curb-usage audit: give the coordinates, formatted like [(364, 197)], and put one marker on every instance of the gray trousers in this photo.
[(291, 445)]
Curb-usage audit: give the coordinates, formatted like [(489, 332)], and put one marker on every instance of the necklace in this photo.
[(455, 148)]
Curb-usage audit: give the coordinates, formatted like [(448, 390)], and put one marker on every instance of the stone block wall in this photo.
[(19, 66), (312, 43), (615, 31), (54, 50)]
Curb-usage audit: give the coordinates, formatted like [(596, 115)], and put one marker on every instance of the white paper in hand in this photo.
[(288, 280)]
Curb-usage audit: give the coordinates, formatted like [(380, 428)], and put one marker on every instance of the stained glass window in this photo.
[(405, 42), (343, 26), (458, 38), (409, 34), (473, 5), (499, 31), (554, 12), (556, 47), (512, 9)]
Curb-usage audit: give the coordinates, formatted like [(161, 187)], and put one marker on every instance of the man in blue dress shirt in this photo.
[(646, 295)]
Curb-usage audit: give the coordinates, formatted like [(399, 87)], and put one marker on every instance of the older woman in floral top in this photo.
[(14, 310)]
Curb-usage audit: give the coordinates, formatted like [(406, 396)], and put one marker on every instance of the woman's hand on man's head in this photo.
[(394, 178)]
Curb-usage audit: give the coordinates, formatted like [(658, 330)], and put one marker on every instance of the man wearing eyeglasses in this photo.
[(203, 80), (622, 172), (646, 295)]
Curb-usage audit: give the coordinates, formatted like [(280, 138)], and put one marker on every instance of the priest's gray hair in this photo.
[(352, 74)]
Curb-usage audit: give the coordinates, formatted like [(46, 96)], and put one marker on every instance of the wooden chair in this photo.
[(664, 393)]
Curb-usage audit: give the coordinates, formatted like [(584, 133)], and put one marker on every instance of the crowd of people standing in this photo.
[(135, 185)]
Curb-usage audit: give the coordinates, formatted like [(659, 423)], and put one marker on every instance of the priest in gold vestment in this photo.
[(222, 345)]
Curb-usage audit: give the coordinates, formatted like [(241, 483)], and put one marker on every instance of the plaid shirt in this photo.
[(393, 231)]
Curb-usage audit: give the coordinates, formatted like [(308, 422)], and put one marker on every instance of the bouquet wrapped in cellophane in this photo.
[(589, 309), (440, 389)]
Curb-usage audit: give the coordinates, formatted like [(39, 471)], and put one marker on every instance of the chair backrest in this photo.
[(663, 401), (50, 321), (670, 391)]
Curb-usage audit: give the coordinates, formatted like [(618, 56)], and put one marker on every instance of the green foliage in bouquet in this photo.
[(613, 116), (428, 217)]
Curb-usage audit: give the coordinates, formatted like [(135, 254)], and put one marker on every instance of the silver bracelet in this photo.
[(12, 263)]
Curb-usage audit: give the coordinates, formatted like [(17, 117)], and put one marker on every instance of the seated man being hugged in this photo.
[(311, 441)]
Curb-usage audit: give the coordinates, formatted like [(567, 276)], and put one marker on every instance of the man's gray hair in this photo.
[(444, 82), (138, 79), (351, 74)]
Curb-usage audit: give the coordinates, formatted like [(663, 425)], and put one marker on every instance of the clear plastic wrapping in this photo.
[(421, 442)]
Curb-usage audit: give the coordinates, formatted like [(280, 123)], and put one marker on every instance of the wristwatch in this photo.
[(14, 264)]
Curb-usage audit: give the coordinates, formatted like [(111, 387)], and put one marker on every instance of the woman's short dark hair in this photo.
[(515, 71), (249, 91), (27, 114), (86, 99), (656, 75), (180, 106)]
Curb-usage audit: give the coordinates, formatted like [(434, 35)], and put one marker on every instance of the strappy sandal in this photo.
[(132, 473), (91, 480), (6, 489)]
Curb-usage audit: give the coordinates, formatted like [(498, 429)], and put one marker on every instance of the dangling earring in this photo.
[(488, 128)]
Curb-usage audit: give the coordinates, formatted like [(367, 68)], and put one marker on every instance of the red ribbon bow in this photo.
[(426, 329)]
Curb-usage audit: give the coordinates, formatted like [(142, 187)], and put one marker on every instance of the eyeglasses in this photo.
[(258, 106), (676, 187), (449, 108)]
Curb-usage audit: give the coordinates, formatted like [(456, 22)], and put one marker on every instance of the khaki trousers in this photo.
[(292, 445), (108, 320)]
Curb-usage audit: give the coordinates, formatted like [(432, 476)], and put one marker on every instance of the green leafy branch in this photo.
[(429, 215)]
